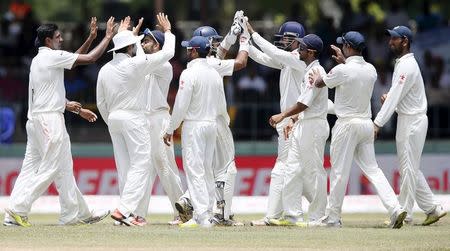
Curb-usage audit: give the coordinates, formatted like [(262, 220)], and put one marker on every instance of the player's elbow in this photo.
[(239, 64)]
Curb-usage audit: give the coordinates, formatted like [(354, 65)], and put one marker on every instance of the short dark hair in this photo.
[(202, 54), (44, 31)]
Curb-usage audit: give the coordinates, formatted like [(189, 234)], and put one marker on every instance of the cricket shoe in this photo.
[(218, 220), (397, 219), (408, 221), (434, 216), (176, 221), (281, 222), (185, 209), (189, 224), (96, 217), (8, 223), (261, 222), (325, 222), (127, 221), (20, 220), (139, 221)]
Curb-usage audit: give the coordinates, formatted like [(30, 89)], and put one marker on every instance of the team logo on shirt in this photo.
[(181, 84), (402, 79)]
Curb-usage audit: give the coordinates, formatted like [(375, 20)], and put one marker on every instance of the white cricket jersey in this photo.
[(200, 94), (354, 83), (121, 82), (292, 68), (407, 93), (225, 67), (315, 98), (46, 92), (158, 84)]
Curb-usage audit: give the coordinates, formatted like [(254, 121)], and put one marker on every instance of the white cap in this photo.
[(125, 38)]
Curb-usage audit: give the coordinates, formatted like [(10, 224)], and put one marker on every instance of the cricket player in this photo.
[(352, 135), (305, 159), (26, 172), (407, 97), (122, 100), (198, 103), (48, 157), (224, 165), (285, 58), (158, 117)]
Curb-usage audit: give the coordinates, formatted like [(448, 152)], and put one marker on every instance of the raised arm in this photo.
[(98, 51), (92, 35), (291, 59), (147, 63)]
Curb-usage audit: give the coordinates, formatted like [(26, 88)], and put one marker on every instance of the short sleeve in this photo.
[(62, 59), (223, 67), (336, 76)]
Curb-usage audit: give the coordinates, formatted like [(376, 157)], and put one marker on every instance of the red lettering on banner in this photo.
[(433, 182), (99, 175), (262, 182), (109, 184), (445, 181), (10, 180), (88, 181), (396, 182), (244, 182)]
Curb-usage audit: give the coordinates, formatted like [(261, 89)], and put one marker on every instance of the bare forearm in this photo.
[(293, 110), (94, 54), (86, 45), (241, 60)]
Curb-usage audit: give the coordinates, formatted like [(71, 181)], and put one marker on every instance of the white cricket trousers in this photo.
[(198, 139), (352, 139), (275, 205), (224, 163), (48, 159), (130, 135), (163, 162), (410, 139), (305, 173)]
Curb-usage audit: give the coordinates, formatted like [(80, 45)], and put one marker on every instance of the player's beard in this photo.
[(396, 50)]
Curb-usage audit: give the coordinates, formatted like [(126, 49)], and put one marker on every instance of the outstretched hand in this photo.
[(125, 24), (137, 28), (93, 28), (110, 28), (163, 22)]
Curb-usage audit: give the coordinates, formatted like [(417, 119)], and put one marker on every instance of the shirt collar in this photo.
[(408, 55), (44, 48), (356, 59), (312, 64), (196, 61)]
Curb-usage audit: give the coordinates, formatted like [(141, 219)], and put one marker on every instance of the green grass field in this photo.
[(360, 232)]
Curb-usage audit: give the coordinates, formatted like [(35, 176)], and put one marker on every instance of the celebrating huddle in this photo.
[(132, 94)]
